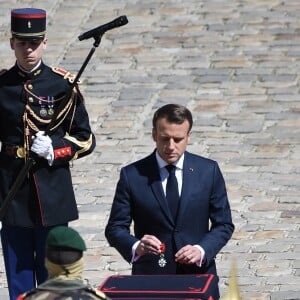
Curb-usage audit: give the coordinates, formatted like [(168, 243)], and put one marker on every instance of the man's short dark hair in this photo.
[(174, 113), (63, 256)]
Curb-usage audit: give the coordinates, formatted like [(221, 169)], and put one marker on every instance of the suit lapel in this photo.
[(188, 185)]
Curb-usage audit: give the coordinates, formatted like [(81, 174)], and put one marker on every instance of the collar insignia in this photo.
[(21, 74), (37, 72)]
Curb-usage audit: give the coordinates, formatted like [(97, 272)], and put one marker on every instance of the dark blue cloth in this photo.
[(29, 243)]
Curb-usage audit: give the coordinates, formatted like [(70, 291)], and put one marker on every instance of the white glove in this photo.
[(42, 146)]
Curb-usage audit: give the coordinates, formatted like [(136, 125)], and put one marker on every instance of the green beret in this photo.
[(63, 237)]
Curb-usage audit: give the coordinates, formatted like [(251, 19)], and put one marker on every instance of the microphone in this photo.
[(120, 21)]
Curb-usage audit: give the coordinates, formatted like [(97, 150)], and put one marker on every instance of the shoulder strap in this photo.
[(67, 75), (3, 71), (96, 292)]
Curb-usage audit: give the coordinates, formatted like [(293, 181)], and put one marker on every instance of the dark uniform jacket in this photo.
[(27, 103), (54, 289)]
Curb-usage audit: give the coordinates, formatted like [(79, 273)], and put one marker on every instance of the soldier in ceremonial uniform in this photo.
[(64, 261), (30, 93)]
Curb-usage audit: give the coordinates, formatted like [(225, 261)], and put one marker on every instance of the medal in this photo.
[(162, 261), (50, 111), (50, 105), (43, 112)]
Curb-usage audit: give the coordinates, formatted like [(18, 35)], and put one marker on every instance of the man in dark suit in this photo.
[(187, 241)]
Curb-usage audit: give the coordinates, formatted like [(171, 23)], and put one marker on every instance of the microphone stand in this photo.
[(31, 161)]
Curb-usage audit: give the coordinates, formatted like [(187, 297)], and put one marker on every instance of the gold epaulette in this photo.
[(3, 71), (67, 75)]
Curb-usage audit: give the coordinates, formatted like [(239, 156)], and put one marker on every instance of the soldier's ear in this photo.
[(44, 44), (11, 41), (154, 134)]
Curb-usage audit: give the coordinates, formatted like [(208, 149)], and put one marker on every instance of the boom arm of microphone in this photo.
[(100, 30)]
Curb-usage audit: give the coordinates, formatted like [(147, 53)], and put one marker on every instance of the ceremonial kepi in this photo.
[(28, 23)]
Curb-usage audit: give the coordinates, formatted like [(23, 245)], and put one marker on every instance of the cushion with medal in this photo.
[(195, 286)]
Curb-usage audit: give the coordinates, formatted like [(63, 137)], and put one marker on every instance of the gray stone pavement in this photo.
[(235, 64)]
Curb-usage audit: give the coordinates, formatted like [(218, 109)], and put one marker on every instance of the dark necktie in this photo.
[(172, 193)]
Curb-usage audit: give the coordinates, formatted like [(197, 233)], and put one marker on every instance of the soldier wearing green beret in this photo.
[(64, 262)]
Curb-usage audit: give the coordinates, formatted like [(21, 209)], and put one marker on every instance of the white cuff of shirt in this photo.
[(199, 263), (134, 257)]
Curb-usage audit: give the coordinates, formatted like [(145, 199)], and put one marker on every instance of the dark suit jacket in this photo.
[(204, 216)]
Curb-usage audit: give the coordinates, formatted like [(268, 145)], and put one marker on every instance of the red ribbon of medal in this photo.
[(162, 261)]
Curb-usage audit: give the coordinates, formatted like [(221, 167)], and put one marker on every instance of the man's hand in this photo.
[(188, 255), (148, 244), (42, 146)]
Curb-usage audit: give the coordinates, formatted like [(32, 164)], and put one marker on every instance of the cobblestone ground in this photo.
[(235, 64)]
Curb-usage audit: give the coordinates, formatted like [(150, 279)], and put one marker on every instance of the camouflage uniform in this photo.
[(54, 289)]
